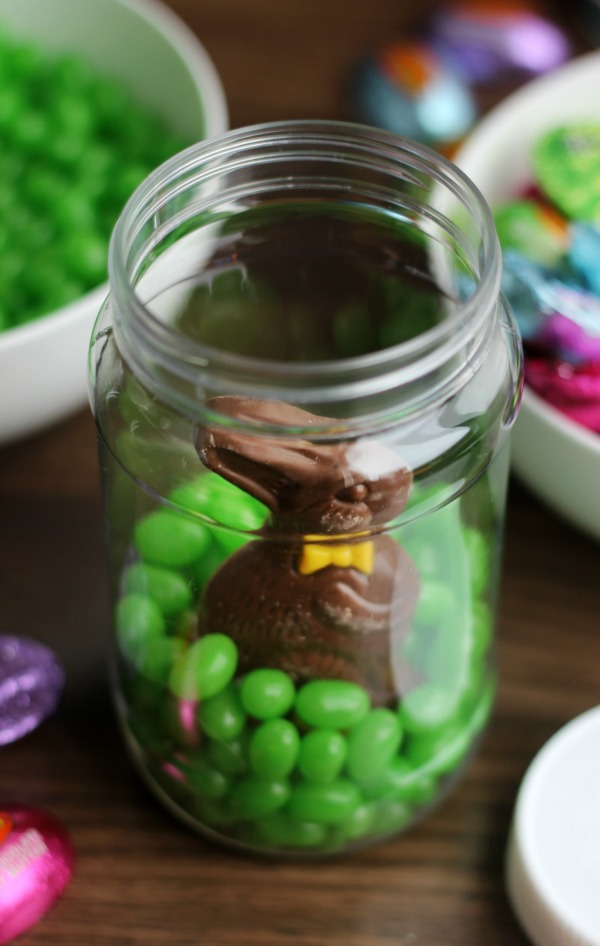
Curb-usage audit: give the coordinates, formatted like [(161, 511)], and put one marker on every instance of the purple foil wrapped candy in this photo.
[(486, 40), (569, 340), (31, 681)]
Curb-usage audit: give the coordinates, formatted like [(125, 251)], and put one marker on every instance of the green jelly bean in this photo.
[(441, 752), (436, 545), (360, 822), (138, 620), (167, 538), (267, 694), (434, 600), (128, 179), (229, 757), (209, 562), (372, 744), (204, 779), (85, 254), (271, 830), (278, 831), (67, 149), (199, 495), (391, 816), (71, 73), (158, 657), (168, 588), (322, 755), (254, 797), (223, 716), (239, 511), (30, 133), (72, 115), (305, 834), (332, 803), (229, 541), (205, 669), (426, 708), (214, 812), (332, 704), (223, 502), (46, 189), (478, 553), (404, 782), (273, 749), (74, 211)]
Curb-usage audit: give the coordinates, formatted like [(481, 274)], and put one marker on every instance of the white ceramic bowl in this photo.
[(158, 58), (556, 458)]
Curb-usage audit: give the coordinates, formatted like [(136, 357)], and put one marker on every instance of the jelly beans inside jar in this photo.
[(303, 384)]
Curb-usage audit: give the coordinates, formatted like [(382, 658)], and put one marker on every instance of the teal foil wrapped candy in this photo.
[(407, 88)]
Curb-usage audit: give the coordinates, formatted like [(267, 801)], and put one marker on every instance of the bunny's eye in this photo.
[(353, 494)]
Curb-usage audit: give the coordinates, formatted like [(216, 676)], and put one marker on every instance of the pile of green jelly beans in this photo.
[(264, 761), (73, 147)]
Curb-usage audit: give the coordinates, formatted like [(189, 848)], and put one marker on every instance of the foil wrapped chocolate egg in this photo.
[(559, 320), (574, 390), (406, 88), (556, 314), (533, 229), (31, 681), (36, 865), (584, 254), (487, 40), (566, 166)]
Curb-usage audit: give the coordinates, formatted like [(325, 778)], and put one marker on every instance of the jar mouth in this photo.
[(185, 369)]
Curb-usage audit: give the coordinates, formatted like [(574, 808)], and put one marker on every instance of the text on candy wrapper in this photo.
[(19, 855)]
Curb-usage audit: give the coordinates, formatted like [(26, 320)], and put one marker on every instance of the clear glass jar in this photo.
[(303, 381)]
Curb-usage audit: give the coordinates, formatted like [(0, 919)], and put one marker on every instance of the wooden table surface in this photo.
[(142, 878)]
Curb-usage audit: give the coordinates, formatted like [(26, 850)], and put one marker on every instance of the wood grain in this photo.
[(141, 878)]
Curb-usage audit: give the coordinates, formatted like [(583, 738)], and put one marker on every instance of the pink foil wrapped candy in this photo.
[(36, 865), (572, 389)]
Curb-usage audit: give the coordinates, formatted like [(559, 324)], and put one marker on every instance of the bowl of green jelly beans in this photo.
[(94, 95)]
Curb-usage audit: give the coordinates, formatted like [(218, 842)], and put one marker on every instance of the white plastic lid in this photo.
[(553, 857)]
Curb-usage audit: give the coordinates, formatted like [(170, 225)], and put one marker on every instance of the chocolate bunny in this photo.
[(294, 600)]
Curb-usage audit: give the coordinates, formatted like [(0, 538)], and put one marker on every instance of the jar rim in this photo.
[(398, 364)]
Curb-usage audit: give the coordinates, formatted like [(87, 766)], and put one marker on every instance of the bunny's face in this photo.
[(314, 488), (359, 486)]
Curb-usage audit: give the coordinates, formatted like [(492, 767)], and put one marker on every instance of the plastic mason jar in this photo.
[(303, 381)]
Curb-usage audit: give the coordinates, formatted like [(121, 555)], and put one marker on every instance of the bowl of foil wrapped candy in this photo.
[(536, 158)]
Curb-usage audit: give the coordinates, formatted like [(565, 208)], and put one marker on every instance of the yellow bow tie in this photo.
[(317, 555)]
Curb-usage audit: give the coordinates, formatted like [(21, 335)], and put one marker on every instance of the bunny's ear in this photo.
[(269, 469)]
